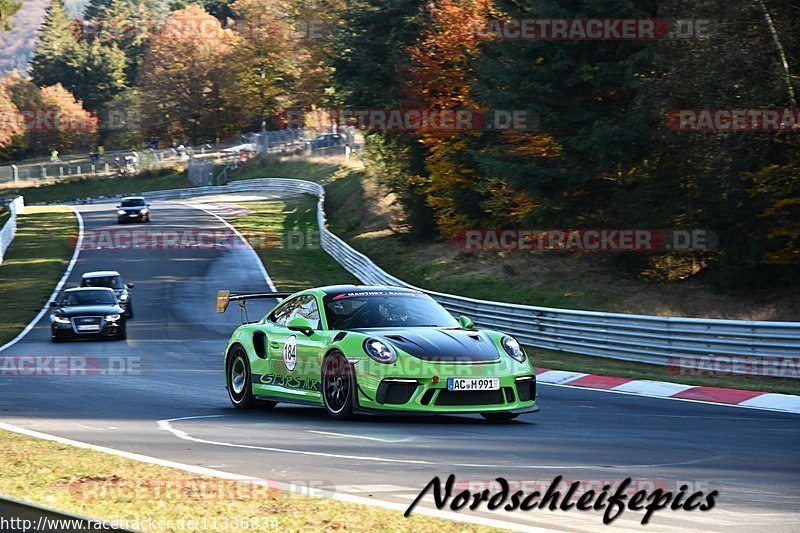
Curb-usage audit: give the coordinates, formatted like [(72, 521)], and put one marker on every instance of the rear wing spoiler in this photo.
[(226, 297)]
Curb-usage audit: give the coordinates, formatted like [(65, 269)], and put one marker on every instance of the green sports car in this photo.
[(375, 349)]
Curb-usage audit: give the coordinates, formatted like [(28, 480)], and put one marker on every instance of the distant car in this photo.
[(133, 209), (327, 140), (111, 279), (85, 313)]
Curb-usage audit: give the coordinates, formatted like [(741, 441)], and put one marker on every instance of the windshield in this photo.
[(380, 309), (89, 298), (133, 202), (112, 282)]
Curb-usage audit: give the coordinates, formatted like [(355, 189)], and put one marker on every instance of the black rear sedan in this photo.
[(133, 209), (86, 313)]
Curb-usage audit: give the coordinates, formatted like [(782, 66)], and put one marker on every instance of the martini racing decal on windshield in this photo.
[(290, 353), (364, 294)]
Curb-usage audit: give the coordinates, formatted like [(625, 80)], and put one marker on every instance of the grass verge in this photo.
[(33, 265), (316, 169), (293, 257), (71, 189), (108, 487)]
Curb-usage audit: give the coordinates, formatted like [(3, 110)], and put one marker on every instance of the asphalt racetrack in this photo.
[(176, 408)]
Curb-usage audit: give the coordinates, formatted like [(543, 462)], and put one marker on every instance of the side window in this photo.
[(280, 316), (307, 308)]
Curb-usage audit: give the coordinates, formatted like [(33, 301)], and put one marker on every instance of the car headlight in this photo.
[(123, 297), (380, 351), (112, 318), (121, 212), (60, 319), (512, 348), (145, 211)]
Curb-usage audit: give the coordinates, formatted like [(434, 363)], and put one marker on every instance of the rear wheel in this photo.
[(499, 417), (337, 386), (240, 385)]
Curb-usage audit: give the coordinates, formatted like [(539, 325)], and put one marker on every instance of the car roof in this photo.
[(75, 289), (133, 198), (100, 274)]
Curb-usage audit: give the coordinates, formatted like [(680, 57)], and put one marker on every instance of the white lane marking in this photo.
[(303, 490), (376, 488), (91, 427), (238, 234), (406, 439), (673, 399), (167, 426), (55, 292)]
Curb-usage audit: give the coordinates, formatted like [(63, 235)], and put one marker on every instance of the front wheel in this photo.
[(240, 386), (337, 386), (499, 417)]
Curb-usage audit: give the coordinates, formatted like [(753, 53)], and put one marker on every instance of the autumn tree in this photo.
[(7, 10), (52, 118), (12, 131), (185, 79)]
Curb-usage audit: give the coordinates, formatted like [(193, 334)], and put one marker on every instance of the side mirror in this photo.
[(465, 322), (129, 285), (300, 324), (119, 206)]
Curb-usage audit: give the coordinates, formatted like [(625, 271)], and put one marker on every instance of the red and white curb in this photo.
[(768, 401)]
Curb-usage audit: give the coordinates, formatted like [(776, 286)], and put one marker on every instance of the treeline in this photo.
[(602, 153)]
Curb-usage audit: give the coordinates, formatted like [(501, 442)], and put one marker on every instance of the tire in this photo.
[(238, 379), (499, 417), (338, 385), (123, 335), (129, 312)]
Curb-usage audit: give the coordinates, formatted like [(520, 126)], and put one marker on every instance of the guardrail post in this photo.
[(42, 172), (15, 172)]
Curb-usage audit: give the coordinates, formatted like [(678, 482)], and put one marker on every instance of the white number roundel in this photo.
[(290, 353)]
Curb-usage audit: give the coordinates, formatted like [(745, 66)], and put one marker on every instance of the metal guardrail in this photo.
[(640, 338), (9, 229)]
